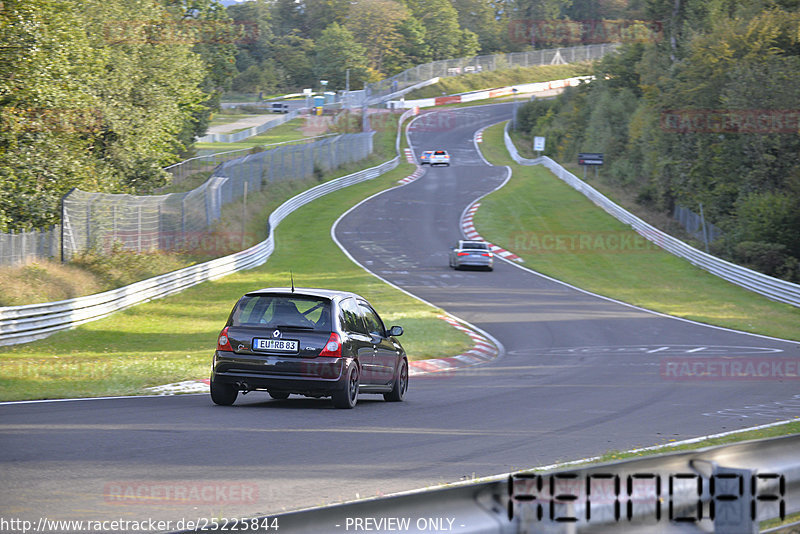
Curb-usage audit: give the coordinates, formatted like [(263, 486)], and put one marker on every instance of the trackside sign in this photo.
[(590, 158)]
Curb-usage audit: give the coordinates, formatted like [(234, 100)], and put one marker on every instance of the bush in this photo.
[(768, 258)]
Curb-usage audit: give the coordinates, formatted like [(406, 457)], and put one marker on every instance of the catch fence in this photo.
[(467, 65), (20, 247), (175, 221), (696, 225)]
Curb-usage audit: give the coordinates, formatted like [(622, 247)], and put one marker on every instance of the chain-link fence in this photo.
[(468, 65), (696, 226), (21, 247), (174, 221), (184, 169)]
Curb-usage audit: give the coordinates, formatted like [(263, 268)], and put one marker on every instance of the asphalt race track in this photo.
[(579, 375)]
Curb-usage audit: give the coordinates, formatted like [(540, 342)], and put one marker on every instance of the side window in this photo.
[(350, 317), (373, 322)]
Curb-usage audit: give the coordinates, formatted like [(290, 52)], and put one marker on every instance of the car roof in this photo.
[(304, 292)]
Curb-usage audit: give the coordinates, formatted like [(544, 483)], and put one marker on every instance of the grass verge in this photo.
[(560, 233), (224, 117), (747, 435), (500, 78), (172, 339), (293, 130)]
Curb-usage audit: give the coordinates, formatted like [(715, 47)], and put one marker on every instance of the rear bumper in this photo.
[(477, 261), (317, 376)]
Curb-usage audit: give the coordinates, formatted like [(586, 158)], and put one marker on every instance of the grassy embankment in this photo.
[(293, 130), (172, 339), (559, 232), (500, 78)]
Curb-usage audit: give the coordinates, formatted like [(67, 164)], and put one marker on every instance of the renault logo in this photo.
[(276, 333)]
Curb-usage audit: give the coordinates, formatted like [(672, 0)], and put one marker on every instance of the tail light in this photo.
[(223, 343), (463, 254), (488, 254), (333, 348)]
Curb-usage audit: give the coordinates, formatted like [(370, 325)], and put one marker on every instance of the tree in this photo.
[(319, 14), (412, 48), (255, 18), (260, 78), (337, 51), (288, 16), (377, 25), (94, 95), (539, 10), (293, 61), (442, 32), (214, 36), (480, 17)]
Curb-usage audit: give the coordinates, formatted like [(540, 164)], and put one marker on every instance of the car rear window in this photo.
[(272, 311), (440, 152), (480, 246)]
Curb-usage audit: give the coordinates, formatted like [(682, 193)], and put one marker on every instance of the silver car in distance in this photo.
[(471, 254)]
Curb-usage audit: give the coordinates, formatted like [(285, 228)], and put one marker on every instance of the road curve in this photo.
[(580, 375)]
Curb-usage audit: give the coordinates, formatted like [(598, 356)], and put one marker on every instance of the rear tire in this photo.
[(223, 394), (400, 385), (347, 397), (278, 395)]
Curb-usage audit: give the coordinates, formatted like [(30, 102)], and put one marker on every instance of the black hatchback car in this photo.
[(311, 342)]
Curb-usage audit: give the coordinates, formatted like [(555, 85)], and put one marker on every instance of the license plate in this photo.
[(276, 345)]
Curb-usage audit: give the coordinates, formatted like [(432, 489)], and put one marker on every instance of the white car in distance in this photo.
[(439, 157)]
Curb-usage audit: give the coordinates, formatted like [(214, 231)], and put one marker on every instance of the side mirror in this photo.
[(396, 331)]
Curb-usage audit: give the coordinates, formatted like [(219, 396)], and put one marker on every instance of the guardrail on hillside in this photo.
[(22, 324), (726, 489), (510, 90), (770, 287), (467, 65)]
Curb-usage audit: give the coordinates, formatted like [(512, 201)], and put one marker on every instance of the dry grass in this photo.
[(46, 281)]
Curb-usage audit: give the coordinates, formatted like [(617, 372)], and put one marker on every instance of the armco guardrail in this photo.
[(770, 287), (457, 66), (22, 324), (472, 96), (726, 489)]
